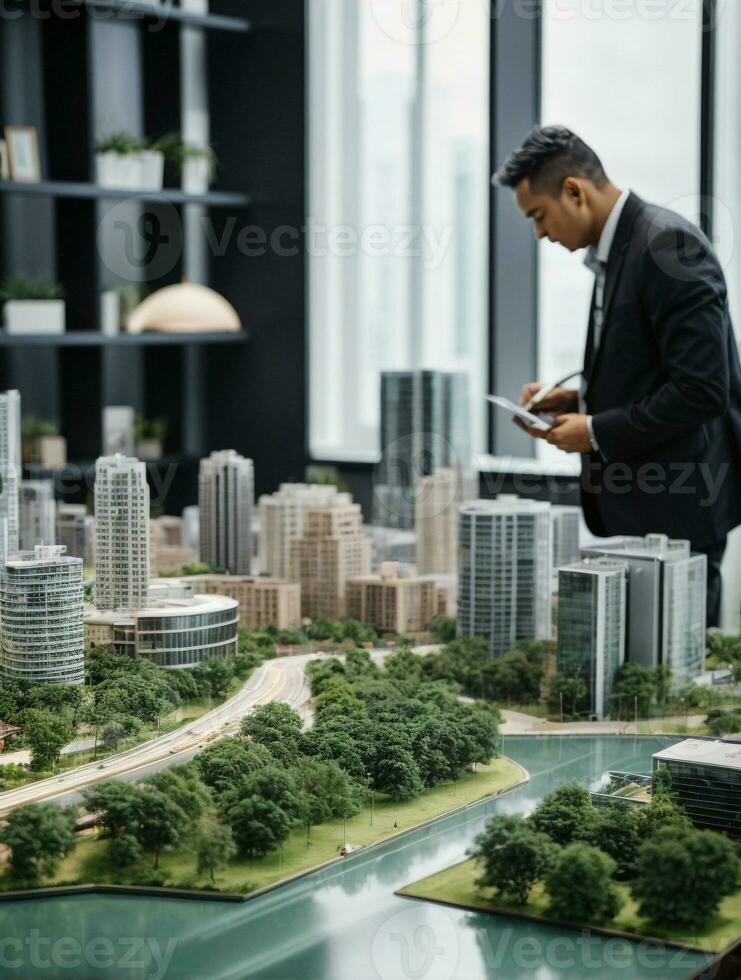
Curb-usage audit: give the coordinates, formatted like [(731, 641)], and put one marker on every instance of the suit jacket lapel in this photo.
[(612, 276), (589, 352)]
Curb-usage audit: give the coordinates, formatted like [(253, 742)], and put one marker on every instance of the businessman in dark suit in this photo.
[(658, 417)]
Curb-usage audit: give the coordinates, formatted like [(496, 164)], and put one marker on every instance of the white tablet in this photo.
[(540, 422)]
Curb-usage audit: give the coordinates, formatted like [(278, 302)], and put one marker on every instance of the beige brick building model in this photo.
[(170, 529), (282, 521), (166, 553), (391, 604), (332, 549), (262, 601), (171, 558), (436, 521)]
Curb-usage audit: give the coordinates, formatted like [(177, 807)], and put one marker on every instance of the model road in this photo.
[(281, 679)]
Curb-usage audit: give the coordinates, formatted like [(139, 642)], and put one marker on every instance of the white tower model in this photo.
[(41, 611), (121, 533), (10, 462)]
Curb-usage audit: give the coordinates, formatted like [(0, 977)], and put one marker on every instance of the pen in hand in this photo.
[(546, 389)]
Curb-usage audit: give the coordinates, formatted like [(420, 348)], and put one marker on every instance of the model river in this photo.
[(345, 922)]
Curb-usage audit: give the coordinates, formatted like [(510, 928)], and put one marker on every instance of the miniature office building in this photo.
[(591, 626), (504, 571), (666, 601), (706, 778)]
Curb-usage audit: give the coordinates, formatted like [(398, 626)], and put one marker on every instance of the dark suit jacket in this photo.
[(663, 387)]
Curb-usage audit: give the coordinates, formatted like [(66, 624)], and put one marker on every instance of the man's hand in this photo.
[(558, 400), (570, 433)]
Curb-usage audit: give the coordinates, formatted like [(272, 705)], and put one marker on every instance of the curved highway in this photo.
[(281, 679)]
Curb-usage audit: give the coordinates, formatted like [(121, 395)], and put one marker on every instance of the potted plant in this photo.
[(127, 162), (151, 168), (196, 164), (116, 161), (31, 306), (39, 440), (150, 435)]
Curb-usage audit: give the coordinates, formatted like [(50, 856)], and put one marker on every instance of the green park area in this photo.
[(388, 749), (89, 862), (457, 886), (637, 870)]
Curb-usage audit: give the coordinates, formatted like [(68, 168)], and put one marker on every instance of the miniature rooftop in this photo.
[(595, 566), (166, 606), (709, 753), (652, 547)]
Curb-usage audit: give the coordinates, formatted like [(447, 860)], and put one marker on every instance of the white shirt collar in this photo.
[(608, 232)]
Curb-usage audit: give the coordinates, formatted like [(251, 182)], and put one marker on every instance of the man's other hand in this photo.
[(570, 433), (558, 400)]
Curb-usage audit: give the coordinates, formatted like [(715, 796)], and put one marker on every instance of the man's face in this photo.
[(566, 219)]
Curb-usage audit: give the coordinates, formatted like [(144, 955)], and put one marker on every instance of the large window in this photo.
[(627, 79), (727, 189), (398, 207)]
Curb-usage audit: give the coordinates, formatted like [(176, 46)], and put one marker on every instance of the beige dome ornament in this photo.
[(185, 308)]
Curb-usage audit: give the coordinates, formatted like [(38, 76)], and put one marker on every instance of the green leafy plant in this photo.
[(120, 142), (26, 287), (176, 151), (156, 429), (34, 428), (326, 476)]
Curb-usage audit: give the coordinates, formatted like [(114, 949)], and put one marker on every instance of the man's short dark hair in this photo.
[(548, 156)]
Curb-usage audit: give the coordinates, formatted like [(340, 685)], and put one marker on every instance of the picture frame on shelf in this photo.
[(4, 163), (24, 163)]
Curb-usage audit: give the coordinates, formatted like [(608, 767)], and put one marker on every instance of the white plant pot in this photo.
[(34, 316), (148, 449), (195, 176), (52, 451), (119, 171), (151, 168)]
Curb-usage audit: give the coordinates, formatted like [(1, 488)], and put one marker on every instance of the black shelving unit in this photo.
[(83, 191), (94, 338), (133, 66)]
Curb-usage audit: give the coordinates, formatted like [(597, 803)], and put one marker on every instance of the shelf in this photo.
[(69, 188), (75, 466), (94, 338), (140, 10)]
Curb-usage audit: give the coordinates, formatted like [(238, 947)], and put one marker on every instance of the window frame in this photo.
[(515, 70)]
